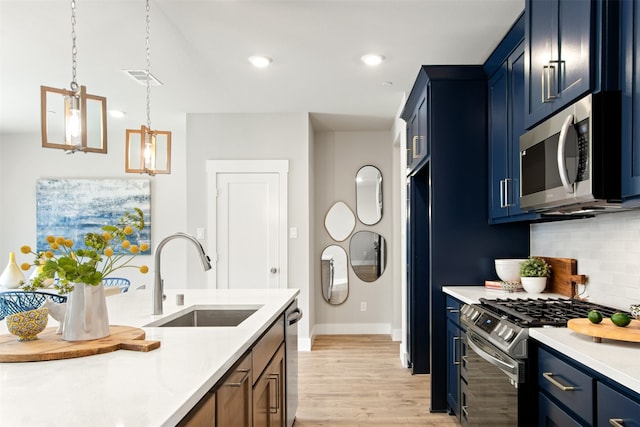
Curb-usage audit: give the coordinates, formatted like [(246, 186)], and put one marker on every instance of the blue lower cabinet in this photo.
[(552, 415), (615, 408)]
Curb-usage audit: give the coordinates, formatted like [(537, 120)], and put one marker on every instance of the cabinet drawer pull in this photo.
[(414, 142), (276, 377), (456, 345), (242, 380), (452, 310), (549, 377), (616, 422)]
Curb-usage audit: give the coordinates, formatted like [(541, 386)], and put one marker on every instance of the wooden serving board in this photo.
[(50, 346), (606, 329), (563, 276)]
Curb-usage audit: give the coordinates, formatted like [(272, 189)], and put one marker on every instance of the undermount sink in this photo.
[(206, 316)]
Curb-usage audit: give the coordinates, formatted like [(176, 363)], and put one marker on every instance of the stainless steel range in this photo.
[(495, 372)]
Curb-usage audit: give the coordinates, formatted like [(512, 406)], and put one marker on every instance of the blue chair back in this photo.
[(120, 282), (12, 302)]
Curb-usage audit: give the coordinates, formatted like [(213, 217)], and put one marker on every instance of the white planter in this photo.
[(534, 285), (86, 317)]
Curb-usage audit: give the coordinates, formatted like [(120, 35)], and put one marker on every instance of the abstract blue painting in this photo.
[(74, 207)]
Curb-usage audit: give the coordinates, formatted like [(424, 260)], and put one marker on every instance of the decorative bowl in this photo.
[(635, 311), (26, 325), (509, 269)]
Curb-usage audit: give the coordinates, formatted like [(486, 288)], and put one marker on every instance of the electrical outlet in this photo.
[(363, 306)]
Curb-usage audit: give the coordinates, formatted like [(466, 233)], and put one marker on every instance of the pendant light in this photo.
[(148, 151), (73, 120)]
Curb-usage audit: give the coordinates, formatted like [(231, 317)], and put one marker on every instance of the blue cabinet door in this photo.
[(499, 160), (453, 367), (615, 406), (559, 55), (630, 103)]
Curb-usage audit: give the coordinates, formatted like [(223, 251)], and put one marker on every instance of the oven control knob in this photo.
[(509, 335), (474, 314)]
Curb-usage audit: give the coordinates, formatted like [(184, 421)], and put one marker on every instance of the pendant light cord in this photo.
[(148, 71), (74, 49)]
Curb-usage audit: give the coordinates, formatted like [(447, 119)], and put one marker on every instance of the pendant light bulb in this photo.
[(74, 122)]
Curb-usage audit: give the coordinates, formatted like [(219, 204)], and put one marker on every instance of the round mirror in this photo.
[(335, 277), (339, 221), (368, 254), (369, 195)]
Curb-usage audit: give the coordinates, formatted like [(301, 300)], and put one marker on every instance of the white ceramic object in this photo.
[(509, 269), (12, 277), (534, 285), (86, 316)]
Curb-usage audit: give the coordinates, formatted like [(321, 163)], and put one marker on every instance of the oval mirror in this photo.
[(335, 277), (368, 255), (369, 195), (339, 221)]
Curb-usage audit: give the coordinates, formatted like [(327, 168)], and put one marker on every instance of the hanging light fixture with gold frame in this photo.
[(72, 119), (148, 151)]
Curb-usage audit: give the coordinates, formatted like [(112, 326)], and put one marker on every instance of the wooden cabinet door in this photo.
[(234, 397), (204, 413), (269, 394)]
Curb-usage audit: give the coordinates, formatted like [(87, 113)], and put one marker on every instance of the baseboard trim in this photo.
[(352, 329)]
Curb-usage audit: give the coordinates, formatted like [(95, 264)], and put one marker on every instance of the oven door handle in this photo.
[(476, 346)]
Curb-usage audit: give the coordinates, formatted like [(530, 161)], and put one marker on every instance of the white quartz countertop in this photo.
[(617, 360), (128, 388)]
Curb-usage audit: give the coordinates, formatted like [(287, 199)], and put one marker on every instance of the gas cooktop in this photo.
[(540, 312)]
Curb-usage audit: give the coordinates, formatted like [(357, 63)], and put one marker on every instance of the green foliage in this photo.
[(535, 267)]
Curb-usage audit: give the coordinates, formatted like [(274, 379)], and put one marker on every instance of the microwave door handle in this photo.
[(562, 163)]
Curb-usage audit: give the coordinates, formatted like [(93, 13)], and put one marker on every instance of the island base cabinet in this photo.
[(269, 394), (204, 413), (614, 408), (234, 398)]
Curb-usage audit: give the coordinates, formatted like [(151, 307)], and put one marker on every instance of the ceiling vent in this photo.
[(140, 76)]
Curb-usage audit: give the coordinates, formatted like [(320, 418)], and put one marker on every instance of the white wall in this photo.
[(607, 248), (257, 136), (338, 156), (23, 161)]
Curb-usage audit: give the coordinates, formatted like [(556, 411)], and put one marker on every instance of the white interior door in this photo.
[(248, 216)]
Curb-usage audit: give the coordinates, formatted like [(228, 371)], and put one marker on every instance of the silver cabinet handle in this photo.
[(465, 412), (453, 310), (507, 192), (276, 378), (616, 422), (549, 377), (503, 193), (456, 345), (242, 380), (414, 143)]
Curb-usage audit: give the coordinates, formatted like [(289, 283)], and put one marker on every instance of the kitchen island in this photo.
[(128, 388), (616, 360)]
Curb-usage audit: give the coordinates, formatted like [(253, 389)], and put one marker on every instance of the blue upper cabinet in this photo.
[(567, 53), (415, 114), (630, 103), (506, 123)]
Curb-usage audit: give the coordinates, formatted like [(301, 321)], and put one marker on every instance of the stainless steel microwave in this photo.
[(570, 163)]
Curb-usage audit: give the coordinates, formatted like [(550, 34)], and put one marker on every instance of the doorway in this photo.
[(247, 219)]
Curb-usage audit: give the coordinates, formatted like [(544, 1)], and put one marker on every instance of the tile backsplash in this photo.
[(607, 248)]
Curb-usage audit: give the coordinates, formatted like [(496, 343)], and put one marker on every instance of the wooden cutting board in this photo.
[(563, 276), (606, 329), (50, 346)]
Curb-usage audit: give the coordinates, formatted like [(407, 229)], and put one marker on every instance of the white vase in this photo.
[(86, 316), (12, 277), (533, 285)]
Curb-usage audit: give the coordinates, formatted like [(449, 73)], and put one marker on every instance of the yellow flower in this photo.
[(68, 243), (128, 230), (51, 239), (25, 249), (60, 240), (126, 244), (108, 252), (144, 247), (106, 236), (54, 246), (48, 254), (144, 269), (25, 266), (134, 249)]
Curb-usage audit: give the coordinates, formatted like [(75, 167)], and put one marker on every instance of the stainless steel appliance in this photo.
[(292, 316), (571, 162), (496, 384)]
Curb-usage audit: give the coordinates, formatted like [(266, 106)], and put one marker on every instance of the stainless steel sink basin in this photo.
[(206, 316)]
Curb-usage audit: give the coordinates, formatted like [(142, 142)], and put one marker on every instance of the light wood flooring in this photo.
[(357, 380)]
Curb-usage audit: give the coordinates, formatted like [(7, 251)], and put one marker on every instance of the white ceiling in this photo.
[(199, 51)]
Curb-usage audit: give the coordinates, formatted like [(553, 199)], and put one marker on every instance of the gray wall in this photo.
[(338, 156)]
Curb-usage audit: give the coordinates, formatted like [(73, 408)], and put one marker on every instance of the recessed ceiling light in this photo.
[(116, 114), (387, 83), (372, 59), (260, 61)]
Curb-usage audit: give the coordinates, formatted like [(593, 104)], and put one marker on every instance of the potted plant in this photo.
[(533, 274)]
